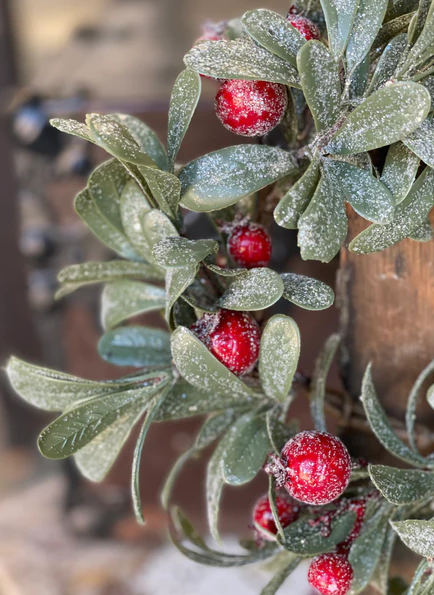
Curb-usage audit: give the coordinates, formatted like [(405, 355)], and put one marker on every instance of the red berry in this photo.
[(331, 574), (304, 26), (318, 467), (251, 108), (232, 337), (287, 510), (357, 505), (250, 246)]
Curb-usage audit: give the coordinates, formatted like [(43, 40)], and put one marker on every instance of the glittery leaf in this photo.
[(177, 281), (124, 299), (136, 346), (367, 23), (256, 290), (399, 171), (317, 390), (182, 253), (296, 200), (417, 535), (402, 486), (165, 188), (133, 207), (421, 142), (412, 402), (306, 292), (388, 62), (339, 16)]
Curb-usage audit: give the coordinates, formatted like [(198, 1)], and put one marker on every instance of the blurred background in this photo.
[(60, 535)]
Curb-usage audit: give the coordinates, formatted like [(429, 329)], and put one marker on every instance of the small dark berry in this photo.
[(304, 26), (232, 337), (287, 509), (318, 467), (331, 574), (250, 246), (251, 108)]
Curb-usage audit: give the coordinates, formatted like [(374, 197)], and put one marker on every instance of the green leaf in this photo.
[(56, 391), (424, 233), (183, 103), (223, 272), (381, 427), (416, 583), (256, 290), (214, 488), (108, 234), (137, 456), (105, 186), (319, 379), (77, 427), (339, 17), (388, 62), (278, 356), (156, 226), (420, 20), (421, 142), (399, 171), (79, 275), (304, 540), (73, 127), (380, 577), (136, 346), (391, 29), (365, 554), (367, 195), (165, 188), (146, 138), (417, 535), (367, 23), (306, 292), (274, 33), (409, 216), (240, 59), (123, 299), (359, 79), (96, 459), (296, 200), (182, 253), (177, 281), (323, 226), (186, 400), (199, 367), (277, 581), (245, 448), (423, 48), (413, 398), (221, 178), (116, 139), (133, 207), (319, 76), (402, 486), (388, 115)]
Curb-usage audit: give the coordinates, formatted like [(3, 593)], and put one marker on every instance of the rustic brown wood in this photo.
[(386, 308)]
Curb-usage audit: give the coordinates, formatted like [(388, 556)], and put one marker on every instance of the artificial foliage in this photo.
[(352, 83)]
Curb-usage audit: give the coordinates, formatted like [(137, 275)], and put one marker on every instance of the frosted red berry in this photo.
[(357, 505), (330, 574), (287, 510), (304, 26), (251, 108), (232, 337), (318, 467), (250, 246)]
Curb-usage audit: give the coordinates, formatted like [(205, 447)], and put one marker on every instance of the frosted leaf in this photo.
[(402, 486), (296, 200), (419, 22), (77, 427), (399, 171), (424, 233), (101, 227), (133, 208), (165, 188), (183, 102), (146, 138), (421, 142), (214, 489), (359, 79), (73, 127), (116, 139), (365, 193), (224, 272), (201, 369), (319, 76), (339, 16), (423, 48), (245, 447), (183, 253), (274, 33), (105, 185), (306, 292), (52, 390), (380, 577), (177, 281), (256, 290), (317, 390), (79, 275), (240, 59), (136, 346), (96, 459), (280, 577), (428, 83), (409, 216), (278, 356), (367, 23), (388, 115), (221, 178), (381, 427), (388, 62), (123, 299), (417, 535), (413, 399), (324, 225), (156, 226)]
